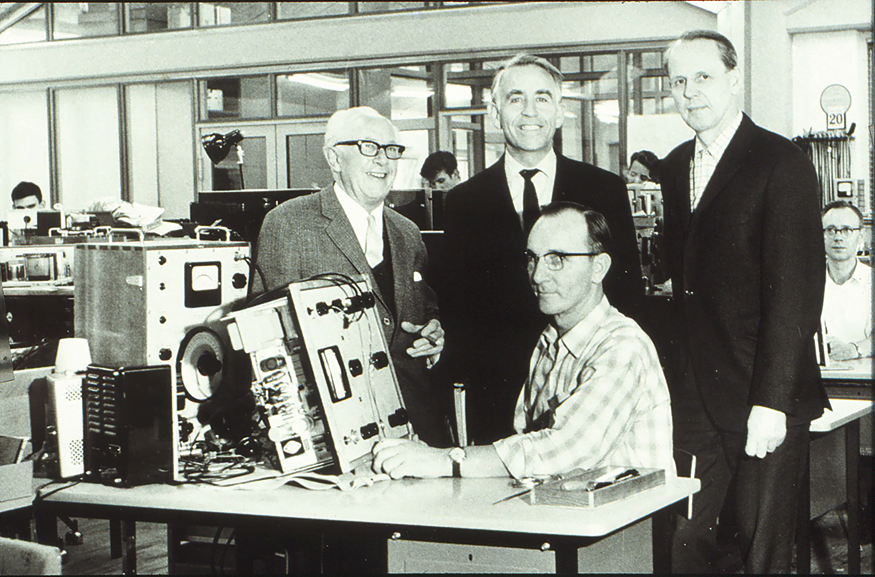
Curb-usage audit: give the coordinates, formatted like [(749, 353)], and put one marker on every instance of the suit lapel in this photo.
[(729, 164), (560, 187), (399, 259), (339, 230)]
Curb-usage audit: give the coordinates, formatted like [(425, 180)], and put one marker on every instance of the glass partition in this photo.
[(20, 23), (312, 94), (236, 97), (157, 16), (232, 13), (84, 19)]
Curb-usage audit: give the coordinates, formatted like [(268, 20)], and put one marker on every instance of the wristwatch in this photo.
[(457, 455)]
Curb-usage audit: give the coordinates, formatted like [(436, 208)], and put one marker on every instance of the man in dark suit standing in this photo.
[(345, 228), (490, 314), (747, 264)]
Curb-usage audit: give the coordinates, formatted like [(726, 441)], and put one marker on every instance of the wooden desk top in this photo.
[(435, 503), (843, 412)]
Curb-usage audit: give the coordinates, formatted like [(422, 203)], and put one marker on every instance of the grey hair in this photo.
[(342, 119), (524, 59)]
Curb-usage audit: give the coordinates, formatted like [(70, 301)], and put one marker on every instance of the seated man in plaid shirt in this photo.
[(596, 394)]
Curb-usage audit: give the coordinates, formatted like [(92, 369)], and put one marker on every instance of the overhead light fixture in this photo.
[(322, 81)]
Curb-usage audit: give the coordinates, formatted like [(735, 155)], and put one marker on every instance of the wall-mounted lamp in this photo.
[(218, 146)]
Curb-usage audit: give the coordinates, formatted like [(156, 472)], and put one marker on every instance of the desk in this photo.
[(405, 512), (841, 425)]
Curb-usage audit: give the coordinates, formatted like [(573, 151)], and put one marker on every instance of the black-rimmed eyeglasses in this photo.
[(553, 260), (371, 148), (844, 231)]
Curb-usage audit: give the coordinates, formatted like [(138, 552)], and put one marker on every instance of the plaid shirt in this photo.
[(705, 161), (596, 396)]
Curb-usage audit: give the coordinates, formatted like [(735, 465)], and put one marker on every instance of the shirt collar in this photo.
[(718, 147), (580, 334), (512, 168), (353, 210)]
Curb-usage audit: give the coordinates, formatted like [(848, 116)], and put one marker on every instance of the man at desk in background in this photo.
[(440, 170), (595, 394), (847, 297), (643, 167), (489, 312), (345, 228), (745, 252), (27, 195)]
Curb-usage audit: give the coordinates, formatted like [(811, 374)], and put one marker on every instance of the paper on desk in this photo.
[(268, 480)]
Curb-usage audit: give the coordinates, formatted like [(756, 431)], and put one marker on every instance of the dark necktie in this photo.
[(531, 208)]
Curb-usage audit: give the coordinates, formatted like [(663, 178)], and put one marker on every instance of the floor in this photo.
[(829, 550)]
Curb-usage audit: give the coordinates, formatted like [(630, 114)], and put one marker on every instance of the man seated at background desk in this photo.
[(27, 195), (595, 394), (847, 297), (344, 228)]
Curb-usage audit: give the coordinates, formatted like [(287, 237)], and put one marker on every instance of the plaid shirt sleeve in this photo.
[(594, 406)]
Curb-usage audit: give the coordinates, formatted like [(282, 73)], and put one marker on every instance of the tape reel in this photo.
[(201, 360)]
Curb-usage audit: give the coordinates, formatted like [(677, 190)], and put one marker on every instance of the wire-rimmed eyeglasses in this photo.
[(553, 260), (844, 231), (371, 148)]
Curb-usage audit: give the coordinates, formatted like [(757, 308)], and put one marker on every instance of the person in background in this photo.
[(440, 170), (489, 312), (345, 228), (847, 298), (643, 167), (745, 250), (27, 195), (595, 395)]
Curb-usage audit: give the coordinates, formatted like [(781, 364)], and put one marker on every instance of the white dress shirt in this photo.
[(543, 180), (358, 217), (847, 308), (705, 159)]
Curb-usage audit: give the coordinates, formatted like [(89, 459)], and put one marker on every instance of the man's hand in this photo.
[(404, 458), (766, 430), (842, 351), (431, 344)]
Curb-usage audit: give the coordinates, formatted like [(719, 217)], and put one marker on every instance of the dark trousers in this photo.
[(765, 499)]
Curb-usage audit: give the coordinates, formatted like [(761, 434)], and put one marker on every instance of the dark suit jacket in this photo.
[(490, 313), (311, 235), (747, 271)]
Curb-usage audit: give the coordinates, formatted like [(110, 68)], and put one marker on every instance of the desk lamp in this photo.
[(218, 146)]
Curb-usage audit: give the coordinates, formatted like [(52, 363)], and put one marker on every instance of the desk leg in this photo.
[(46, 525), (803, 522), (129, 546), (115, 539), (852, 462)]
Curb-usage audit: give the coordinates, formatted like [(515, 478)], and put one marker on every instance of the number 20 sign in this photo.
[(835, 101)]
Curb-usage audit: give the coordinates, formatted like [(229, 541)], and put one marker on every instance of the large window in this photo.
[(84, 19)]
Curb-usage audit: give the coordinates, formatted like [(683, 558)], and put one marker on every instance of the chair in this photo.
[(26, 558)]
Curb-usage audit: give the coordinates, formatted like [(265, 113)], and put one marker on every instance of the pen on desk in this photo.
[(514, 496)]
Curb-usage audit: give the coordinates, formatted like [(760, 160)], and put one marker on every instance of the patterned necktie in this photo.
[(531, 208), (373, 248)]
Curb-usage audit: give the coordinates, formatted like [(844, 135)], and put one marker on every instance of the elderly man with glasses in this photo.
[(847, 298), (345, 228), (595, 394)]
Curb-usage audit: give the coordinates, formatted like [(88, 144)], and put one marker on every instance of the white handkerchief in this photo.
[(416, 276)]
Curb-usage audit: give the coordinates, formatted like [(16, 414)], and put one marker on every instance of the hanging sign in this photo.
[(835, 100)]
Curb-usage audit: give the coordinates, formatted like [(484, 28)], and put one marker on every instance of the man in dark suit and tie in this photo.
[(489, 312), (345, 228), (745, 249)]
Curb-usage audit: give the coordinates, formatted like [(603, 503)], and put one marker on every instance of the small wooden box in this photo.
[(579, 488)]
